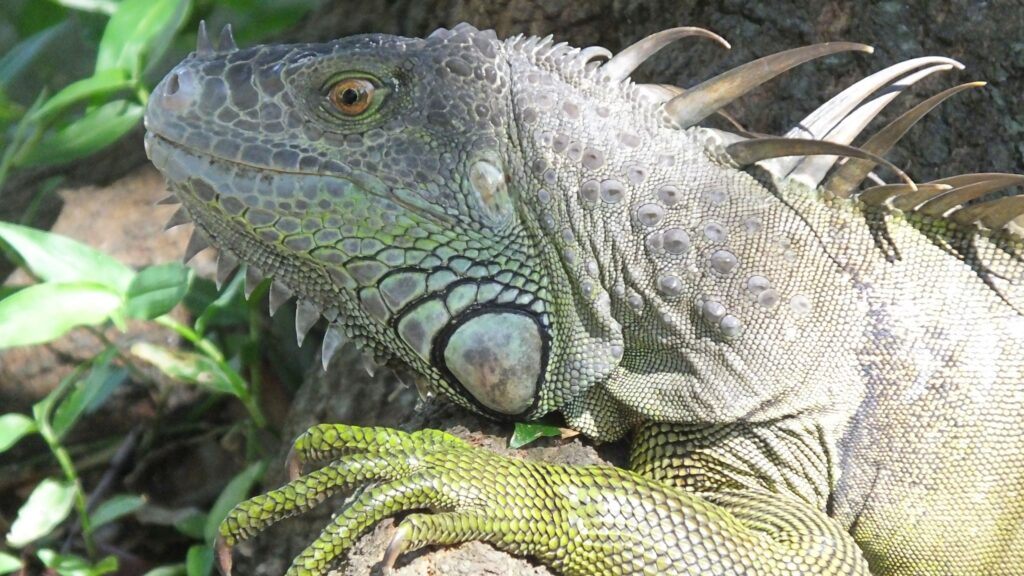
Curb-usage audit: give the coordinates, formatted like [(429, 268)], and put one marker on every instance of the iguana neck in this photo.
[(655, 235)]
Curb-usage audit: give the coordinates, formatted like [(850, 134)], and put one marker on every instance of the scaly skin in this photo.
[(815, 385)]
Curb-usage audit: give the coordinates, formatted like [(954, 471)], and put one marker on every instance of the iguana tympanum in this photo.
[(818, 377)]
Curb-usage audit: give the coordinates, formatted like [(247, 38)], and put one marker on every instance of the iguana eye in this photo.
[(352, 96)]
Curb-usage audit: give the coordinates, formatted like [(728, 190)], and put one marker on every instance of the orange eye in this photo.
[(352, 96)]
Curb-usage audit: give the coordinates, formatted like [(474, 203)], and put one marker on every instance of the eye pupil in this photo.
[(352, 96)]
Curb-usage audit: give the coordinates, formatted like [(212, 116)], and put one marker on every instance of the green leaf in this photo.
[(57, 258), (189, 521), (156, 290), (236, 491), (72, 565), (9, 563), (116, 507), (47, 506), (226, 308), (22, 55), (101, 84), (14, 427), (527, 432), (44, 312), (187, 367), (94, 131), (43, 409), (107, 7), (36, 16), (192, 525), (199, 560), (173, 570), (139, 29), (9, 109), (90, 392), (159, 45)]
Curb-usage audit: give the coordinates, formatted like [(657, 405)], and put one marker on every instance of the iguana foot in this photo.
[(472, 494), (576, 519)]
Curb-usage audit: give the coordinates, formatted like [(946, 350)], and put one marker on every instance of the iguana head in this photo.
[(376, 179)]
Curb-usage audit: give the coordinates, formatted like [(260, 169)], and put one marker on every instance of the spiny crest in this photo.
[(810, 151), (205, 48)]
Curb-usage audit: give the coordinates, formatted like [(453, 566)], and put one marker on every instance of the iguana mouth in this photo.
[(197, 180), (155, 139)]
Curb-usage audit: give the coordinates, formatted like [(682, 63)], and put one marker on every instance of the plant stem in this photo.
[(238, 384), (81, 505)]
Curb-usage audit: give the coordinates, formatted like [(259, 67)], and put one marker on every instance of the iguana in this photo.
[(819, 376)]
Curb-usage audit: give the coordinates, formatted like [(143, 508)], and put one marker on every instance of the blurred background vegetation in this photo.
[(75, 76)]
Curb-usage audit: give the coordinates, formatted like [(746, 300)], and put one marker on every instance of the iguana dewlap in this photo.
[(819, 376)]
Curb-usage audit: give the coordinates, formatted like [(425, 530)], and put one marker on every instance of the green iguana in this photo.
[(818, 377)]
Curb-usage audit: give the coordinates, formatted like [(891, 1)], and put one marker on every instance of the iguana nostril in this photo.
[(179, 89)]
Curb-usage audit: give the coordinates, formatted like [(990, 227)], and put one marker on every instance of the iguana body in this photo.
[(815, 384)]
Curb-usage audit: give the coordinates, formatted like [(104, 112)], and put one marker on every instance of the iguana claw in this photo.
[(293, 462), (395, 548), (223, 554)]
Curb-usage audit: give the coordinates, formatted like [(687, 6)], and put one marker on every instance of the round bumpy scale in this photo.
[(560, 142), (669, 195), (636, 174), (715, 195), (800, 305), (731, 326), (757, 284), (715, 232), (676, 241), (768, 298), (723, 262), (592, 159), (612, 191), (670, 285), (635, 301), (712, 311), (650, 214), (590, 191), (574, 152)]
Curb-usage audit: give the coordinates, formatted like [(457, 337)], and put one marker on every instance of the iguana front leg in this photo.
[(580, 520)]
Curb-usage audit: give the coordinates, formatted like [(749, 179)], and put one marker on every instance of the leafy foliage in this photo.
[(528, 432), (132, 39), (57, 106), (78, 287)]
